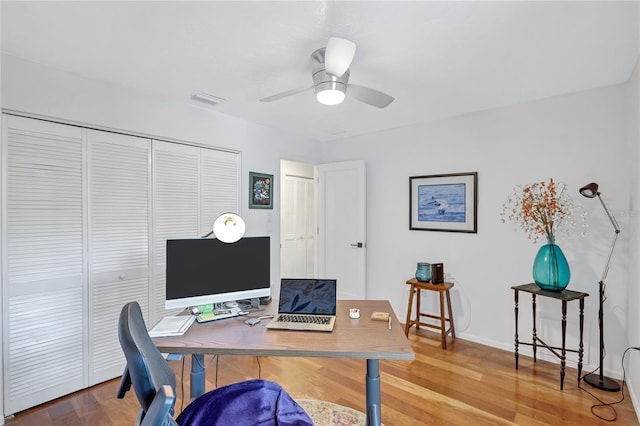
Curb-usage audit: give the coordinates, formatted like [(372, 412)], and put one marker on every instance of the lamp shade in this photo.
[(338, 55), (590, 190), (229, 227)]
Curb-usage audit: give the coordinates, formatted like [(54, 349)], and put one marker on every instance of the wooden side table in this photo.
[(443, 289), (564, 296)]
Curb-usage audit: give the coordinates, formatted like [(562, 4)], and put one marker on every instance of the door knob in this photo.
[(359, 245)]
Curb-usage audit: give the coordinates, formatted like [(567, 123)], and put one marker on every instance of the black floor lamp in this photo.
[(599, 380)]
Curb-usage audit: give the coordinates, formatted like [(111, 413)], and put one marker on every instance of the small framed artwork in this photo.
[(444, 202), (260, 191)]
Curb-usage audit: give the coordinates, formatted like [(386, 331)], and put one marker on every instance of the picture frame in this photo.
[(260, 191), (445, 202)]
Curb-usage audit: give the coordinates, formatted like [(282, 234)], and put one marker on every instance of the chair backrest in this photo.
[(147, 368)]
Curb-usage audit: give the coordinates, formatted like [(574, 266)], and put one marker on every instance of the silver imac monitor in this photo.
[(202, 271)]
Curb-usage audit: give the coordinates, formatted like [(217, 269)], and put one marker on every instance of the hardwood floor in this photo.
[(468, 384)]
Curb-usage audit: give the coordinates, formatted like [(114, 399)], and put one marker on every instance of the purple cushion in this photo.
[(249, 403)]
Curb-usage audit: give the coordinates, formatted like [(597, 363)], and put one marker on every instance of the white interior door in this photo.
[(342, 222), (298, 224)]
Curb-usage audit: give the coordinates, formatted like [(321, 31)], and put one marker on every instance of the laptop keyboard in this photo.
[(307, 319)]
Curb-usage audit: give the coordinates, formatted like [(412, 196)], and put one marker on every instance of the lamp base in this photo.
[(605, 384)]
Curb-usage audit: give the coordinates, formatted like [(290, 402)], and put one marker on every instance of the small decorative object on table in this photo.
[(437, 273), (423, 272), (380, 316), (544, 209)]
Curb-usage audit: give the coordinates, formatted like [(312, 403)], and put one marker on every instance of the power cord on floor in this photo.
[(609, 405)]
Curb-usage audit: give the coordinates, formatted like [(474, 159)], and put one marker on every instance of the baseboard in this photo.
[(543, 354), (634, 397)]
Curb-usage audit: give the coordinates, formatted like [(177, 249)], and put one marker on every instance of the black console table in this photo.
[(564, 296)]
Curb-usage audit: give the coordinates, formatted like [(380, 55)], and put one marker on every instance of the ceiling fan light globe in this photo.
[(331, 92), (330, 97)]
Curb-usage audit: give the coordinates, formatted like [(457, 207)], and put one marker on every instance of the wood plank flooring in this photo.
[(468, 384)]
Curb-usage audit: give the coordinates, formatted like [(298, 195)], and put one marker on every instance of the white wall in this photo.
[(575, 139), (632, 364)]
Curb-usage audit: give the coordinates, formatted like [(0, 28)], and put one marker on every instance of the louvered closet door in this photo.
[(176, 189), (44, 298), (192, 187), (220, 186), (119, 183)]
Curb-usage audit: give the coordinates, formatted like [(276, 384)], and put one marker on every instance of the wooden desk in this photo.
[(564, 296), (351, 338)]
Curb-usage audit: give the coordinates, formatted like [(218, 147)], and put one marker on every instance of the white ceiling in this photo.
[(438, 59)]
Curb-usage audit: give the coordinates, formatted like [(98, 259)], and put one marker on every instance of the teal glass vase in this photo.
[(550, 267)]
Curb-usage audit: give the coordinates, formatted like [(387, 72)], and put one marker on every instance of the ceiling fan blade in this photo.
[(338, 55), (369, 96), (285, 94)]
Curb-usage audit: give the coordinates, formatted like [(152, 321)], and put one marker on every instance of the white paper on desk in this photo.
[(172, 326)]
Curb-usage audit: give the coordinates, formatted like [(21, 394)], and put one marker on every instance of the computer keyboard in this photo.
[(309, 319)]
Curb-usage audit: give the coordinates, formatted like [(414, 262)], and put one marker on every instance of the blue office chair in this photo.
[(248, 403)]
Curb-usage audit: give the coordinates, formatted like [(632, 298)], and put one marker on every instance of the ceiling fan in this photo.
[(331, 77)]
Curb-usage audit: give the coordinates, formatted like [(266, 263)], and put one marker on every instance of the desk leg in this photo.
[(516, 304), (197, 375), (563, 358), (373, 392), (534, 341), (581, 347)]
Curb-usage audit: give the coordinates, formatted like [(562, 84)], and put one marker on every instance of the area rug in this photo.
[(328, 414)]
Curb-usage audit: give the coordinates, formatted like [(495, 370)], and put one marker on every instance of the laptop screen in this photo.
[(307, 296)]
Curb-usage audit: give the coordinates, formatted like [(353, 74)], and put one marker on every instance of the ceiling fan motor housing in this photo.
[(322, 80)]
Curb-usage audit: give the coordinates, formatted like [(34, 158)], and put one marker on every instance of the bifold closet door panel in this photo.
[(220, 189), (176, 207), (119, 227), (44, 264), (192, 186)]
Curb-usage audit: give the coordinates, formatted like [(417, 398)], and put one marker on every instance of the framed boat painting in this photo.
[(445, 202)]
